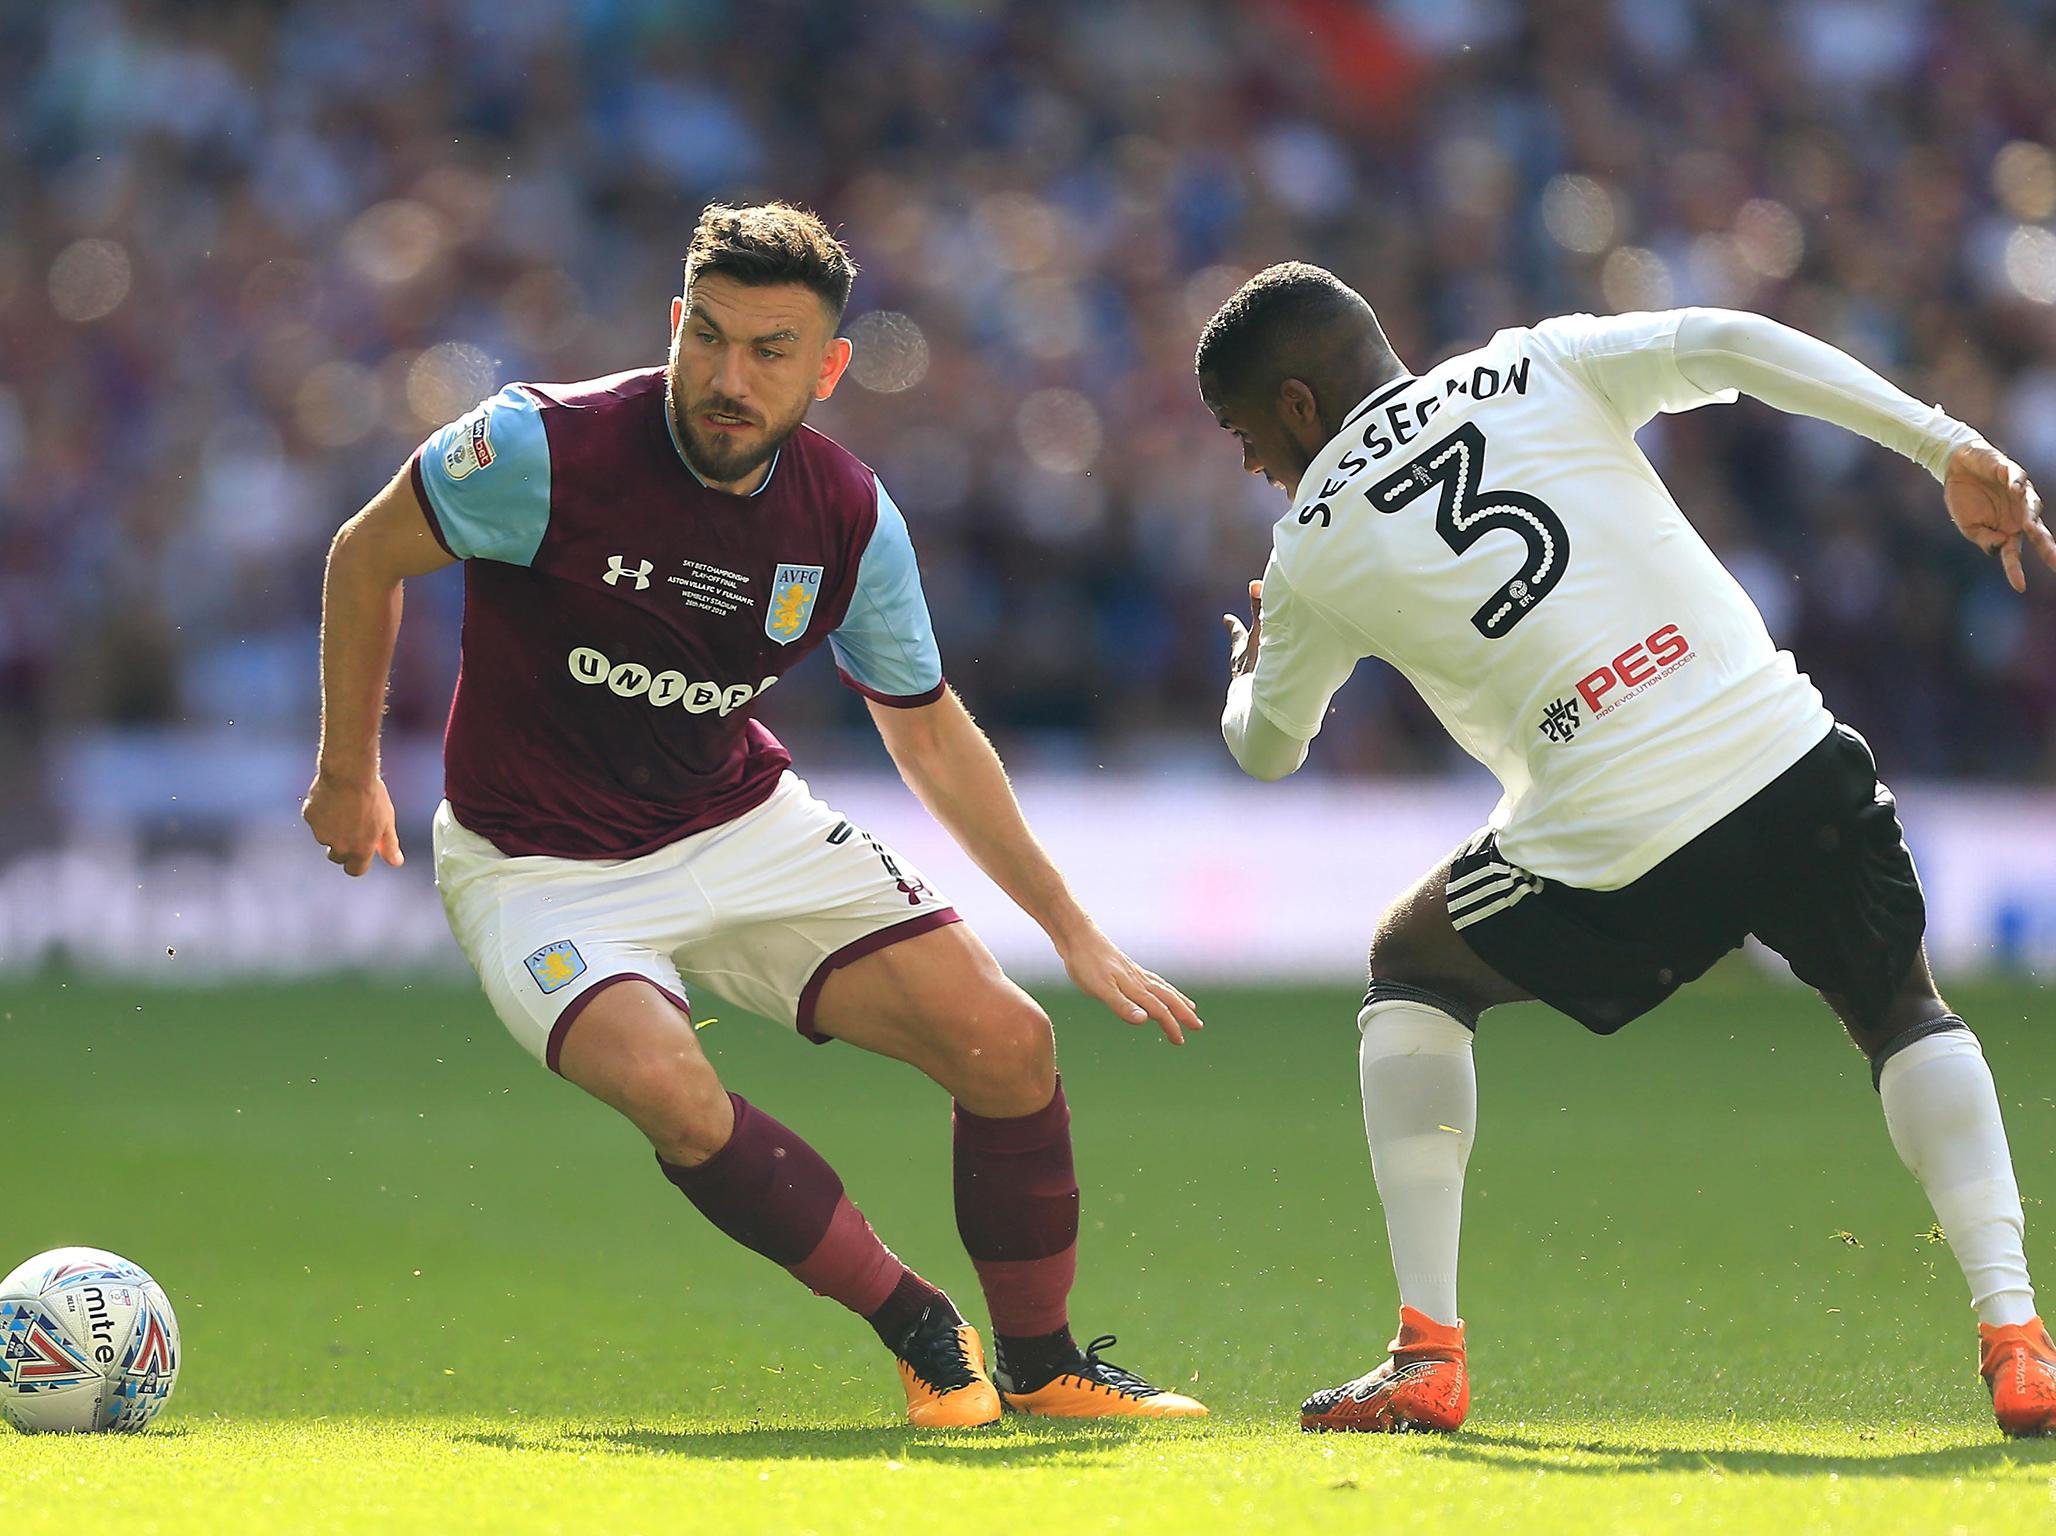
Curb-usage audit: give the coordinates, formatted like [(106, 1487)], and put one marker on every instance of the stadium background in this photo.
[(251, 253)]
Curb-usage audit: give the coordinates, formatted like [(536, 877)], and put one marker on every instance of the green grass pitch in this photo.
[(426, 1286)]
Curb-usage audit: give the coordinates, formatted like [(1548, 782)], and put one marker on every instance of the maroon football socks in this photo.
[(774, 1194), (1017, 1212)]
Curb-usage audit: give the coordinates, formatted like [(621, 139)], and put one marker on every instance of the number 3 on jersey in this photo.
[(1466, 514)]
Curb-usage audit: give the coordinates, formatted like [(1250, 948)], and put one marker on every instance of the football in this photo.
[(88, 1342)]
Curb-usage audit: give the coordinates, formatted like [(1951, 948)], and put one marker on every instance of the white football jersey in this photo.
[(1491, 529)]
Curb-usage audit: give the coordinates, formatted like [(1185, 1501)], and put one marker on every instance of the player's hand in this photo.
[(353, 820), (1134, 995), (1242, 643), (1995, 506)]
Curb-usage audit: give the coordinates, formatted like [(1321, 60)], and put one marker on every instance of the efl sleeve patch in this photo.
[(885, 646), (486, 480)]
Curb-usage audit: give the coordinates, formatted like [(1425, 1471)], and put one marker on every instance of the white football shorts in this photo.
[(760, 909)]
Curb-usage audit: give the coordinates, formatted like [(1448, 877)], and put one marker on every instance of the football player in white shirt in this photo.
[(1672, 783)]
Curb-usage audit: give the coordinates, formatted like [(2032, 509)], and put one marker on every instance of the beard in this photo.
[(726, 457)]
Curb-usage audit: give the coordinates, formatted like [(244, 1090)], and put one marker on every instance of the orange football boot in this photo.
[(942, 1366), (1424, 1385), (2018, 1362), (1098, 1389)]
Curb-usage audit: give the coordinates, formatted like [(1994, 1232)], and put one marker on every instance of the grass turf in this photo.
[(426, 1286)]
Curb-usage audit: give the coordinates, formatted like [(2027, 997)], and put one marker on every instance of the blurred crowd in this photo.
[(251, 253)]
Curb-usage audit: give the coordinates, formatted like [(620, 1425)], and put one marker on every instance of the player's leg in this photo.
[(1420, 1101), (1420, 1088), (610, 1016), (940, 1002), (1848, 914), (1942, 1111), (631, 1044)]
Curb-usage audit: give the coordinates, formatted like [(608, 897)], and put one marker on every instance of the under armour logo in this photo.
[(617, 567)]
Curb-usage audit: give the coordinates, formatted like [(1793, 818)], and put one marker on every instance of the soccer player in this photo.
[(646, 555), (1672, 783)]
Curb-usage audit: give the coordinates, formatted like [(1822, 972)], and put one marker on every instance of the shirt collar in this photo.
[(1372, 401), (1323, 461)]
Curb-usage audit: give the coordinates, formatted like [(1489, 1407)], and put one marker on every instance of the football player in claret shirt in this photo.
[(1672, 782), (645, 555)]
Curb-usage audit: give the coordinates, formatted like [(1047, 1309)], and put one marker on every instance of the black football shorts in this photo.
[(1813, 864)]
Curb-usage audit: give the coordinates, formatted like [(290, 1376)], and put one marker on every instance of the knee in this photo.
[(1004, 1063), (1877, 1028), (679, 1104)]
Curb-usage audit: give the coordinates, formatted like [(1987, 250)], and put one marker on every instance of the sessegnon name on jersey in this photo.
[(633, 680), (1400, 422)]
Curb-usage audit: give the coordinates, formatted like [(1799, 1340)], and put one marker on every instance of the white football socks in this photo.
[(1943, 1114), (1420, 1115)]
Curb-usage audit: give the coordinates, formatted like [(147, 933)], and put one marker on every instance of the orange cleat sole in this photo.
[(1433, 1396), (1072, 1397)]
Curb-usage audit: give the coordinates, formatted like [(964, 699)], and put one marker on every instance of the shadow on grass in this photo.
[(1007, 1445), (1514, 1452)]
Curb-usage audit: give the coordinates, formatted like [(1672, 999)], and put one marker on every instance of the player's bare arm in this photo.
[(347, 806), (952, 768)]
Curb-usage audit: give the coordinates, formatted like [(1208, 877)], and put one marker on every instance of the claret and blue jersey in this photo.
[(621, 618)]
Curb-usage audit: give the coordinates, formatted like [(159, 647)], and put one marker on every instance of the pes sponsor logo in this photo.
[(633, 680), (1626, 676)]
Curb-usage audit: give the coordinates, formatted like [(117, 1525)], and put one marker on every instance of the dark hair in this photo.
[(771, 243), (1288, 321)]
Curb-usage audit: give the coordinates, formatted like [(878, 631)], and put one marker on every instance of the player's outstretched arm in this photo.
[(953, 770), (347, 807), (1989, 497)]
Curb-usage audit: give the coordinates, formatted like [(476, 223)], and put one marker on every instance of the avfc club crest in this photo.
[(793, 591), (556, 965)]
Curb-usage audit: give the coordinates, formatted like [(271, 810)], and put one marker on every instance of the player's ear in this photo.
[(677, 312), (1297, 407), (834, 362)]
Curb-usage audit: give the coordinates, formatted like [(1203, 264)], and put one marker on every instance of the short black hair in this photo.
[(1286, 322), (772, 243)]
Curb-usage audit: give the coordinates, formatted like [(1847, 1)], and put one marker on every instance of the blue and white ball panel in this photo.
[(88, 1341), (487, 480), (149, 1366), (886, 642)]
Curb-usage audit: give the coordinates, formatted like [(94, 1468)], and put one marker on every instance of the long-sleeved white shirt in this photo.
[(1492, 530)]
